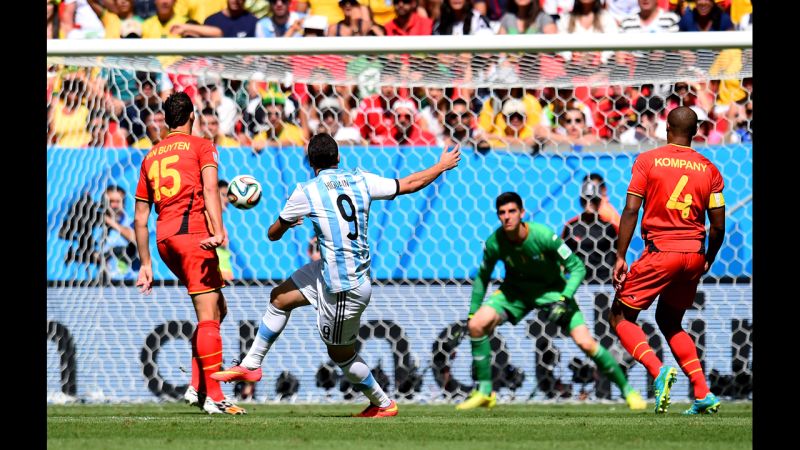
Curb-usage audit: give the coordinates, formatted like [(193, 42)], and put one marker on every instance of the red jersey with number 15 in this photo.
[(170, 178), (678, 185)]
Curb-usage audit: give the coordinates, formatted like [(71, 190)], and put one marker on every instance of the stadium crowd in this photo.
[(110, 107)]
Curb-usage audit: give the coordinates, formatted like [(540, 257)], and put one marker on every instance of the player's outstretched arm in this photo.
[(281, 226), (627, 224), (213, 208), (716, 234), (419, 180), (141, 216)]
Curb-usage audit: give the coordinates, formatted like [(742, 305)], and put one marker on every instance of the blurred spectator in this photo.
[(116, 257), (234, 20), (606, 209), (492, 9), (210, 93), (742, 14), (459, 17), (223, 251), (122, 83), (706, 130), (680, 6), (70, 116), (433, 105), (313, 26), (161, 25), (619, 9), (407, 22), (210, 129), (52, 19), (518, 131), (650, 19), (458, 126), (122, 22), (258, 8), (706, 16), (328, 8), (493, 122), (555, 8), (743, 125), (591, 237), (146, 99), (373, 115), (280, 22), (331, 123), (353, 23), (144, 8), (573, 130), (526, 17), (80, 19), (644, 122), (155, 129), (406, 130), (641, 130), (380, 11), (587, 17), (198, 10), (278, 132), (312, 250), (105, 132), (430, 9), (730, 95)]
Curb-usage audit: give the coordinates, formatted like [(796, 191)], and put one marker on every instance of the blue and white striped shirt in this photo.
[(338, 201)]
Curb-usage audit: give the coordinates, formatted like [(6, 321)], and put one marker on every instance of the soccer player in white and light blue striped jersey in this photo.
[(338, 285)]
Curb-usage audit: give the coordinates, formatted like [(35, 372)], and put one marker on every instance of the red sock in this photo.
[(195, 364), (209, 349), (685, 353), (635, 342)]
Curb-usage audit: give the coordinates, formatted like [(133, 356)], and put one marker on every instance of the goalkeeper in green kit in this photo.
[(533, 256)]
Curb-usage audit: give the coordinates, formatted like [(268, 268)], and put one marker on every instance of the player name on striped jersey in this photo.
[(680, 164), (338, 202)]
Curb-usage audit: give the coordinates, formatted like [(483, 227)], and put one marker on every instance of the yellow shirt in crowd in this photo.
[(289, 135), (382, 10), (152, 28), (495, 123), (199, 10), (70, 128)]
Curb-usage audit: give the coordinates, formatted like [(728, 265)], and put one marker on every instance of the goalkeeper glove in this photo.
[(557, 310)]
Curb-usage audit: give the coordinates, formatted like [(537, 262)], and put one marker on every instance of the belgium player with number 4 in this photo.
[(678, 186)]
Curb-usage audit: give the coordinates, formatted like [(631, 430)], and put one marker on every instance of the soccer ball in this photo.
[(244, 191)]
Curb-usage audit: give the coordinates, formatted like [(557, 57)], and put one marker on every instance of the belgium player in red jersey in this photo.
[(679, 187), (179, 176)]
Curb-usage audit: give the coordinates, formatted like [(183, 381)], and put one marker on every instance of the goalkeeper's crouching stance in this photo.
[(533, 256)]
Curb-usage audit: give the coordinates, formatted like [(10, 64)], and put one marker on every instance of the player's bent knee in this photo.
[(341, 353)]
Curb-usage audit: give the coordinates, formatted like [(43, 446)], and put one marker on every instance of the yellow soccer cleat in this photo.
[(635, 401), (477, 400)]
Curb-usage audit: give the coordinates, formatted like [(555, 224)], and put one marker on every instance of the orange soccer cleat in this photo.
[(377, 411)]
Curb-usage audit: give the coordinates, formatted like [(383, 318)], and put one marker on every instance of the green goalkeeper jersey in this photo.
[(537, 261)]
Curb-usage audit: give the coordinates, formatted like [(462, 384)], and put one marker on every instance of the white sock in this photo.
[(357, 372), (272, 324)]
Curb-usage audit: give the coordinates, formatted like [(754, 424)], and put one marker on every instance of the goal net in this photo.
[(536, 117)]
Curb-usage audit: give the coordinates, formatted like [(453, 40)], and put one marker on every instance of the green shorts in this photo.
[(513, 301)]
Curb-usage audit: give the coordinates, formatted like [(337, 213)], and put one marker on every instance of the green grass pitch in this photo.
[(268, 426)]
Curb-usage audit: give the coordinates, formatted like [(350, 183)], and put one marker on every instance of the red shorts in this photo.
[(673, 275), (196, 268)]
